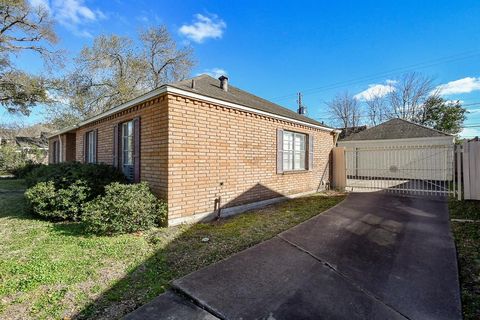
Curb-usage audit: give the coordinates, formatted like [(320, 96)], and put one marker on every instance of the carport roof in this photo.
[(396, 129)]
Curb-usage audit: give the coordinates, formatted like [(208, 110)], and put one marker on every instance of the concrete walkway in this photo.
[(374, 256)]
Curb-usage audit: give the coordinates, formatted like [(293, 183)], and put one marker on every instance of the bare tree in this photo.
[(165, 62), (117, 69), (409, 95), (345, 109), (377, 109), (23, 28), (11, 130), (108, 73)]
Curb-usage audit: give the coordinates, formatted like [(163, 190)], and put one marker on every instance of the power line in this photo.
[(426, 64), (325, 114), (472, 125), (467, 99), (374, 76), (471, 104), (468, 125)]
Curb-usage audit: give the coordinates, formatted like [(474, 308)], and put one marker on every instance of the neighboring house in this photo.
[(34, 148), (29, 143), (203, 146), (366, 151), (345, 132)]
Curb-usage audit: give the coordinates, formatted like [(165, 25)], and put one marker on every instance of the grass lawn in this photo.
[(11, 185), (53, 270), (467, 240)]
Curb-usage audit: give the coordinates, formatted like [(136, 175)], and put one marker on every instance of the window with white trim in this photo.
[(56, 152), (294, 151), (127, 149), (91, 147)]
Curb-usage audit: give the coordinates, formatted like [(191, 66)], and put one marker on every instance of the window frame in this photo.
[(91, 146), (127, 148), (56, 152), (294, 151)]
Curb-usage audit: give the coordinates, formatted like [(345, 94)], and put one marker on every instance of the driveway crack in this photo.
[(349, 280)]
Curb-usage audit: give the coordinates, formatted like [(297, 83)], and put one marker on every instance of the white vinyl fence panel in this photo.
[(401, 162), (471, 170)]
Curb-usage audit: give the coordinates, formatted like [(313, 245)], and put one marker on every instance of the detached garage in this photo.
[(399, 150)]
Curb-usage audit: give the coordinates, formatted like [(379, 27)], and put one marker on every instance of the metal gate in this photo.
[(409, 170)]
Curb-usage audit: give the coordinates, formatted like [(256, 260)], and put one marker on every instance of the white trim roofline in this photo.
[(197, 96), (344, 142), (116, 109)]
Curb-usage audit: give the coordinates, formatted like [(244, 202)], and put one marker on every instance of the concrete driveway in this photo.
[(374, 256)]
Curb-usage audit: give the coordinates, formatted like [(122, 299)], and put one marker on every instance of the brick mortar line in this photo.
[(330, 266)]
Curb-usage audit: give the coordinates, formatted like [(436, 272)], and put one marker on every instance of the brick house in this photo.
[(205, 147)]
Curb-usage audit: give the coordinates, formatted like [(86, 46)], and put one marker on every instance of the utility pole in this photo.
[(301, 108)]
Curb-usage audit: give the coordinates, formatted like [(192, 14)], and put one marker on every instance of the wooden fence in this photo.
[(339, 178)]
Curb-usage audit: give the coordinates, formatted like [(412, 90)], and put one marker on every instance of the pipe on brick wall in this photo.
[(322, 180), (218, 200)]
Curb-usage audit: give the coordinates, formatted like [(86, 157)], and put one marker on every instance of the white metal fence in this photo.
[(409, 170)]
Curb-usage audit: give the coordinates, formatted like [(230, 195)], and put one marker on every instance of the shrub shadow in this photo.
[(13, 205), (180, 251)]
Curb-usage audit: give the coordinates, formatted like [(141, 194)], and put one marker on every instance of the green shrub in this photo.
[(25, 169), (59, 191), (16, 161), (49, 202), (124, 208), (95, 176)]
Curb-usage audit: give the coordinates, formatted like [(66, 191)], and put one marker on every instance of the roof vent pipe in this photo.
[(193, 83), (223, 83)]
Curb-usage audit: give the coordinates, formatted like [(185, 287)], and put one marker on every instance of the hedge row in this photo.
[(95, 176), (124, 209), (94, 194)]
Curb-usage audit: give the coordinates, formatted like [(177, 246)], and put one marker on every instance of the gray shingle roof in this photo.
[(345, 132), (210, 87), (396, 129), (29, 142)]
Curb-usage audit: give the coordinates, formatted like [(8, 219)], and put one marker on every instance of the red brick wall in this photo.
[(189, 148), (68, 147), (210, 145), (153, 146)]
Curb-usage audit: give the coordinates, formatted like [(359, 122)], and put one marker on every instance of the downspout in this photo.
[(337, 134), (219, 202)]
